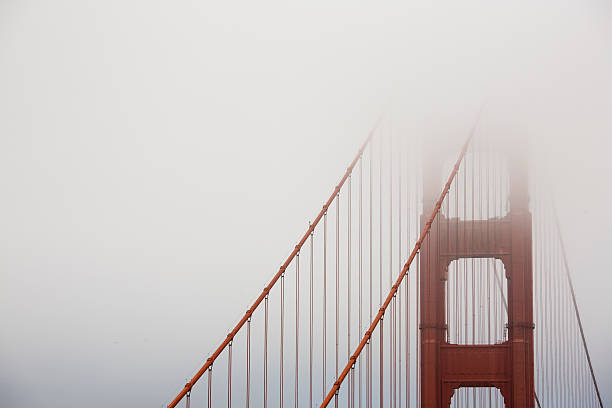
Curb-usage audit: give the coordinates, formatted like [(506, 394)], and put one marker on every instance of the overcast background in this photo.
[(158, 160)]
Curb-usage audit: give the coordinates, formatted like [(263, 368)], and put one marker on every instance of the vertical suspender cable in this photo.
[(573, 347), (416, 279), (496, 215), (473, 186), (480, 265), (399, 256), (380, 247), (571, 368), (465, 274), (282, 335), (577, 364), (229, 374), (559, 341), (566, 352), (348, 271), (392, 328), (265, 355), (446, 284), (218, 351), (360, 266), (458, 270), (350, 390), (488, 272), (575, 304), (337, 274), (392, 357), (210, 386), (297, 329), (496, 172), (417, 329), (456, 263), (311, 313), (488, 261), (563, 347), (369, 359), (539, 280), (501, 280), (407, 296), (353, 386), (248, 363), (380, 223), (324, 301), (402, 275), (556, 339), (417, 343), (549, 333), (225, 343), (380, 388), (582, 382), (576, 359)]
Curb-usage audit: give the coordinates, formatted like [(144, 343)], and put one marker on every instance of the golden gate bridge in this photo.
[(418, 284)]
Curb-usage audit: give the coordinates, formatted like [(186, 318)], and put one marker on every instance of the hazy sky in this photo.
[(155, 154)]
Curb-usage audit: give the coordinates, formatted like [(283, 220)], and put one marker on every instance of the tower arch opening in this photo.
[(478, 397), (476, 301)]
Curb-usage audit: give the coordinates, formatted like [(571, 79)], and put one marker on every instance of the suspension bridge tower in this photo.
[(507, 365)]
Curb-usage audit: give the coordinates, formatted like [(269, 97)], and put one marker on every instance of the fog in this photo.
[(159, 160)]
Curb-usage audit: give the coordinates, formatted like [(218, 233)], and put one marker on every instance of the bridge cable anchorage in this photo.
[(276, 277), (378, 318)]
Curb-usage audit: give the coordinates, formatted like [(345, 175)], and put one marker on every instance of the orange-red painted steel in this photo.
[(276, 277), (379, 316), (507, 366)]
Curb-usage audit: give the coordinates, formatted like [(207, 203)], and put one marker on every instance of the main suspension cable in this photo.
[(401, 276), (276, 277)]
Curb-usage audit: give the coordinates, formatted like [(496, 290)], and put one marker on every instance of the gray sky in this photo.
[(155, 154)]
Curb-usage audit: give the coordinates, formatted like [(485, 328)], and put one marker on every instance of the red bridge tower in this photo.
[(507, 366)]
